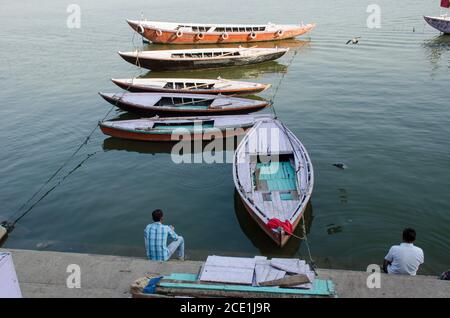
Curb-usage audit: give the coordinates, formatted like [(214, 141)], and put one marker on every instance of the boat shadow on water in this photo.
[(234, 72), (293, 44), (160, 147), (261, 240), (436, 48)]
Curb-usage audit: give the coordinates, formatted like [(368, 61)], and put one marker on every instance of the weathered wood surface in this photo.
[(228, 270), (264, 272), (290, 265), (288, 281)]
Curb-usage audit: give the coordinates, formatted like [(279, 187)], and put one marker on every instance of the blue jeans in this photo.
[(177, 245)]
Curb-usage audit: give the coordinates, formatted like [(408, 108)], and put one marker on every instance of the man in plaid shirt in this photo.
[(155, 236)]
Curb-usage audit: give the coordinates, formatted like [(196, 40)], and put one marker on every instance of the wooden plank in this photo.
[(236, 270), (288, 281), (265, 272), (321, 288)]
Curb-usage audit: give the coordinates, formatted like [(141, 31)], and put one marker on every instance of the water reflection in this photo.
[(289, 43), (163, 147), (435, 49), (260, 239), (241, 72)]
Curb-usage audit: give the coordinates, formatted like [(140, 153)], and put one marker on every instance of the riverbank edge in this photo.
[(44, 274)]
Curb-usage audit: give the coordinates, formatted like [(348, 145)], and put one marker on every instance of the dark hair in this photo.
[(157, 215), (409, 235)]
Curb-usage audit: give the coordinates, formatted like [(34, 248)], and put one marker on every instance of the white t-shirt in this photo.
[(405, 259)]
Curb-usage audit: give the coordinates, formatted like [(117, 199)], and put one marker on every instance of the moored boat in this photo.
[(176, 128), (190, 85), (442, 22), (274, 177), (171, 104), (160, 60), (196, 33)]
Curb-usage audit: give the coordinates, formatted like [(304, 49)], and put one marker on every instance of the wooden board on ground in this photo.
[(288, 281), (264, 272), (220, 269), (289, 265)]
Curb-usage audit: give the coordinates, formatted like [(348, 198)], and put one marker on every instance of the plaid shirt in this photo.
[(155, 236)]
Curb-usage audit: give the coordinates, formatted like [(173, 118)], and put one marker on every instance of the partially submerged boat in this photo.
[(274, 177), (171, 104), (442, 22), (190, 85), (176, 128), (199, 33), (160, 60)]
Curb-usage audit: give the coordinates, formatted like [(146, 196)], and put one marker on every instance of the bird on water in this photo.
[(355, 40)]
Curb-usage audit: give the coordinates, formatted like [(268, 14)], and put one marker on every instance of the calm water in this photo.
[(381, 107)]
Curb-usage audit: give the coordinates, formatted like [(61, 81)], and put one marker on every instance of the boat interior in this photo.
[(184, 124), (185, 55), (221, 29), (188, 85), (184, 102), (275, 187)]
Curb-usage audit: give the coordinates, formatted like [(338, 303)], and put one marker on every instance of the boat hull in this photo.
[(439, 24), (170, 36), (280, 239), (158, 111), (204, 135), (176, 65), (146, 89)]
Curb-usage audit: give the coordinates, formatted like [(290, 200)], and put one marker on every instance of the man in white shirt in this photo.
[(404, 259)]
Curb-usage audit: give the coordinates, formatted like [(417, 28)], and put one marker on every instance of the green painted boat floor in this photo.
[(320, 287), (279, 176)]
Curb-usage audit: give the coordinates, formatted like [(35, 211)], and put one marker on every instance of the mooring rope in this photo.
[(304, 238), (277, 87), (11, 221), (272, 100)]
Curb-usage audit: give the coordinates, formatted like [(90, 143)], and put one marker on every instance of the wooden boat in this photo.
[(189, 85), (440, 23), (276, 190), (186, 128), (171, 104), (195, 33), (160, 60)]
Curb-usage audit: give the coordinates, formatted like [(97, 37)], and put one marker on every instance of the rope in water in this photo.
[(277, 87), (10, 223), (272, 100)]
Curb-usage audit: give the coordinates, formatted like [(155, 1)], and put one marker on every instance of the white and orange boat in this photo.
[(274, 177), (199, 33)]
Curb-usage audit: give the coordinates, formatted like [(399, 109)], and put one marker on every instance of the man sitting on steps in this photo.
[(156, 235), (404, 259)]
